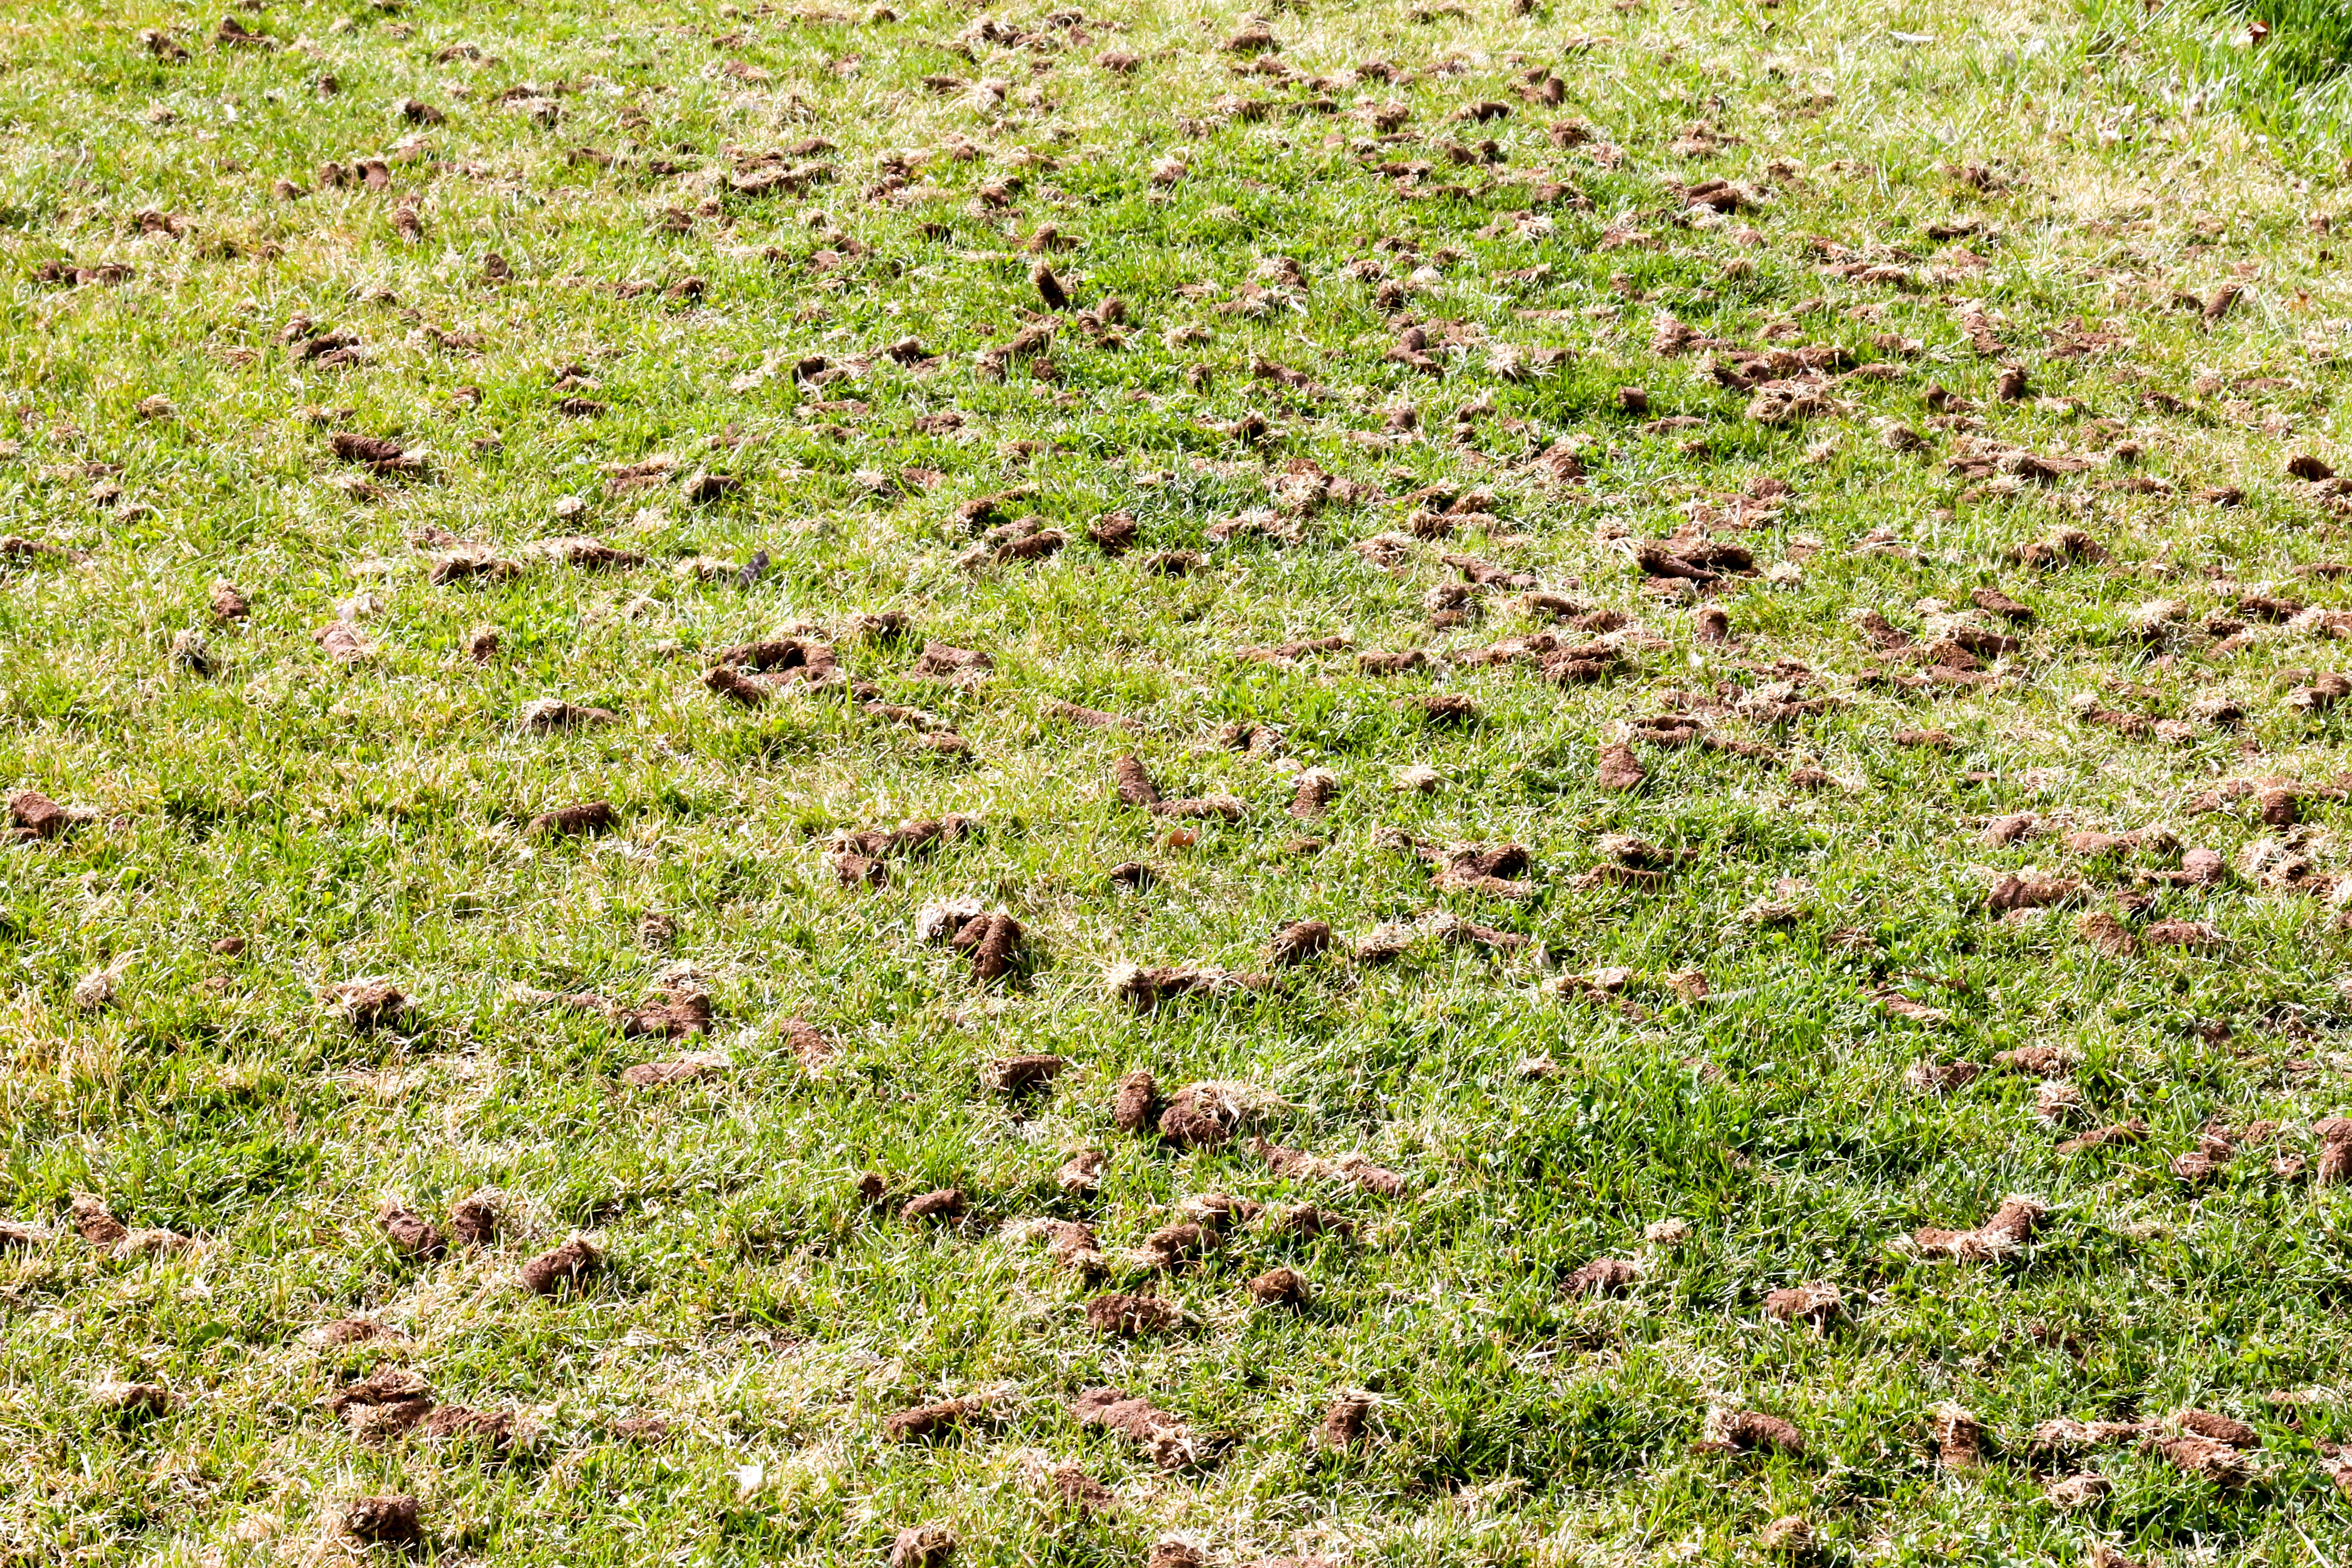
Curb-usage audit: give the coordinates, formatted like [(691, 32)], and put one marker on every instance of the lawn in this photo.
[(1439, 781)]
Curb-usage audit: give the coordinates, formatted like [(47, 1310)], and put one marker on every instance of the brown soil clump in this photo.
[(1081, 1173), (994, 943), (135, 1398), (684, 1070), (1752, 1431), (2203, 1457), (2033, 892), (1129, 1316), (809, 1045), (383, 1520), (33, 816), (411, 1233), (944, 1204), (923, 1546), (462, 1423), (2334, 1135), (1342, 1425), (548, 714), (2130, 1132), (1816, 1303), (1072, 1245), (1603, 1277), (1204, 807), (1316, 786), (1619, 769), (2218, 1428), (2009, 1229), (96, 1224), (924, 1421), (1133, 782), (474, 1222), (387, 1403), (1960, 1439), (1080, 1490), (1159, 1433), (1174, 1244), (566, 1265), (2035, 1061), (1295, 941), (672, 1015), (1200, 1117), (573, 821), (370, 1005), (1019, 1076), (1280, 1288), (938, 661), (1138, 1098)]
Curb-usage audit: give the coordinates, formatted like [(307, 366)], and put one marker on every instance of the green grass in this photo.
[(369, 819)]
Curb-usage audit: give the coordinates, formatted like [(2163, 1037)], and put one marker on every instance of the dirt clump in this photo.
[(370, 1005), (1079, 1490), (1959, 1437), (1133, 782), (1138, 1098), (1603, 1277), (491, 1429), (128, 1398), (568, 1264), (545, 715), (411, 1233), (1172, 1245), (942, 1203), (1127, 1316), (96, 1223), (1202, 1116), (1081, 1173), (1202, 809), (1317, 787), (2010, 1228), (2035, 1061), (683, 1069), (924, 1421), (2119, 1132), (1342, 1425), (1295, 941), (1279, 1288), (572, 821), (670, 1015), (2334, 1135), (1751, 1432), (958, 666), (1071, 1244), (1017, 1077), (810, 1045), (1816, 1303), (474, 1222), (2200, 1457), (33, 816), (2032, 892), (383, 1520), (388, 1401), (923, 1546), (1619, 769), (1160, 1436), (2218, 1428), (994, 940)]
